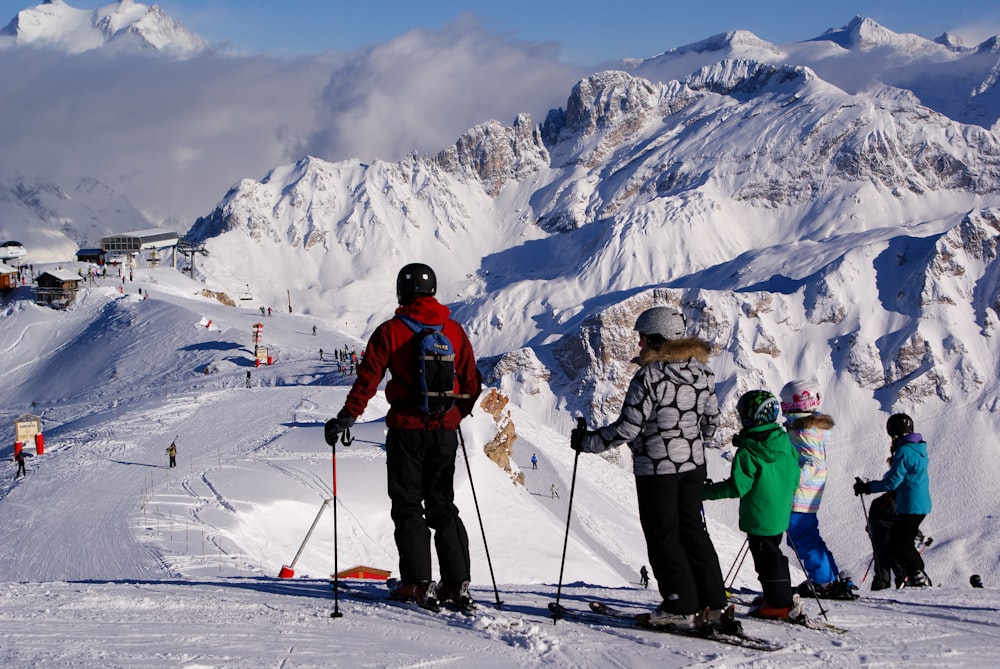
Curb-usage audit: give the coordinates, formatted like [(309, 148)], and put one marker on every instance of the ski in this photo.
[(383, 597), (803, 620), (602, 614)]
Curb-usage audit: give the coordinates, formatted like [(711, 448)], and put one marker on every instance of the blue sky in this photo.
[(582, 32)]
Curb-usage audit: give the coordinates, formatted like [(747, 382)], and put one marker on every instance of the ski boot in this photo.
[(455, 595)]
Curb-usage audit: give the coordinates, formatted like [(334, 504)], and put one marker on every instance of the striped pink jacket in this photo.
[(809, 434)]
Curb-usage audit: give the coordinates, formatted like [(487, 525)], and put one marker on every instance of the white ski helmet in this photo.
[(666, 322), (800, 397)]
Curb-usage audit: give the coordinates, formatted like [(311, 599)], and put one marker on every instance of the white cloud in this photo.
[(420, 91), (174, 136)]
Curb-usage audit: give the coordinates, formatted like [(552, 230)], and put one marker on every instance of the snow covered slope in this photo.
[(110, 557)]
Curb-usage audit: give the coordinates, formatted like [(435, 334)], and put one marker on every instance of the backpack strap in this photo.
[(417, 326)]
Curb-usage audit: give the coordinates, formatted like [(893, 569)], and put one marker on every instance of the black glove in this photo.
[(862, 487), (577, 435), (334, 426)]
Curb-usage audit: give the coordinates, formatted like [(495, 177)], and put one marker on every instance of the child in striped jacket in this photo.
[(809, 431)]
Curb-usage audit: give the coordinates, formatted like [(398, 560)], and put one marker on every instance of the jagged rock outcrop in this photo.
[(500, 448), (496, 155)]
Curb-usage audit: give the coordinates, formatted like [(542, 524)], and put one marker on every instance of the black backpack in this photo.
[(434, 373)]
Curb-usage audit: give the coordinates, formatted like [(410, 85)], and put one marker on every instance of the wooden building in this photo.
[(8, 277), (57, 288)]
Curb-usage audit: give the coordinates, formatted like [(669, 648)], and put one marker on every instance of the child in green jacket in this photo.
[(765, 475)]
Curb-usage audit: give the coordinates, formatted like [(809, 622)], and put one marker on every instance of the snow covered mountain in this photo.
[(956, 80), (805, 230), (124, 24), (56, 222), (739, 167)]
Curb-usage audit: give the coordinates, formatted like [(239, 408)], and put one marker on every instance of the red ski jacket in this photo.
[(391, 348)]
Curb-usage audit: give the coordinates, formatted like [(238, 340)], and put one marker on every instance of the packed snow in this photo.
[(111, 558)]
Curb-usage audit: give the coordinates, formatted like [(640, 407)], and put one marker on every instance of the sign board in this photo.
[(261, 353), (26, 427)]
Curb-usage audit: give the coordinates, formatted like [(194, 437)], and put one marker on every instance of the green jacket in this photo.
[(765, 475)]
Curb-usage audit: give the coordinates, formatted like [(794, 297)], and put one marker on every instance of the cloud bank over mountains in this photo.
[(174, 134)]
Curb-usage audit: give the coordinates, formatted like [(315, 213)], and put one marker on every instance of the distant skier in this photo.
[(644, 577), (21, 471), (314, 331), (172, 452), (321, 355), (534, 461), (554, 491), (248, 378)]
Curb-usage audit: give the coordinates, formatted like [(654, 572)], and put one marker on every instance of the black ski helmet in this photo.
[(976, 581), (899, 425), (415, 280)]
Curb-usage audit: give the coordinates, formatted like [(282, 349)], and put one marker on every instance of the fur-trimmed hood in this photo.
[(818, 421), (676, 350)]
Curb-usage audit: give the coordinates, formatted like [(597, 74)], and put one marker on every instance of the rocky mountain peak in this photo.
[(495, 154)]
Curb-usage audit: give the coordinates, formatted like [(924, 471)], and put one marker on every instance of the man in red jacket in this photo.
[(420, 449)]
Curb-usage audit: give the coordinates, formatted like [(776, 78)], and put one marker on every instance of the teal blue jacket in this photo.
[(907, 475)]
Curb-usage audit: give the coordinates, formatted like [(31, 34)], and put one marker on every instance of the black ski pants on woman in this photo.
[(902, 542), (680, 550), (421, 474)]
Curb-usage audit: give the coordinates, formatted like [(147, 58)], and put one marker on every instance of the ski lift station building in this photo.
[(126, 243)]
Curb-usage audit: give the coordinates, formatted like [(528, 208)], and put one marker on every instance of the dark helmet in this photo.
[(758, 407), (899, 425), (415, 280)]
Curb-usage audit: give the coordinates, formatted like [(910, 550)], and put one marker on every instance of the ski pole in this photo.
[(870, 563), (741, 555), (345, 439), (555, 608), (795, 550), (486, 546), (868, 530)]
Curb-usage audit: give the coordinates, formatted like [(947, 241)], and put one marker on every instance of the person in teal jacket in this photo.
[(908, 477), (765, 475)]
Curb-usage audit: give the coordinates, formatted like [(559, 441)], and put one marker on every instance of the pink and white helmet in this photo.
[(800, 397)]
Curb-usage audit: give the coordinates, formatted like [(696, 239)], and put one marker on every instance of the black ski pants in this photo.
[(772, 569), (902, 542), (680, 550), (881, 516), (421, 474)]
